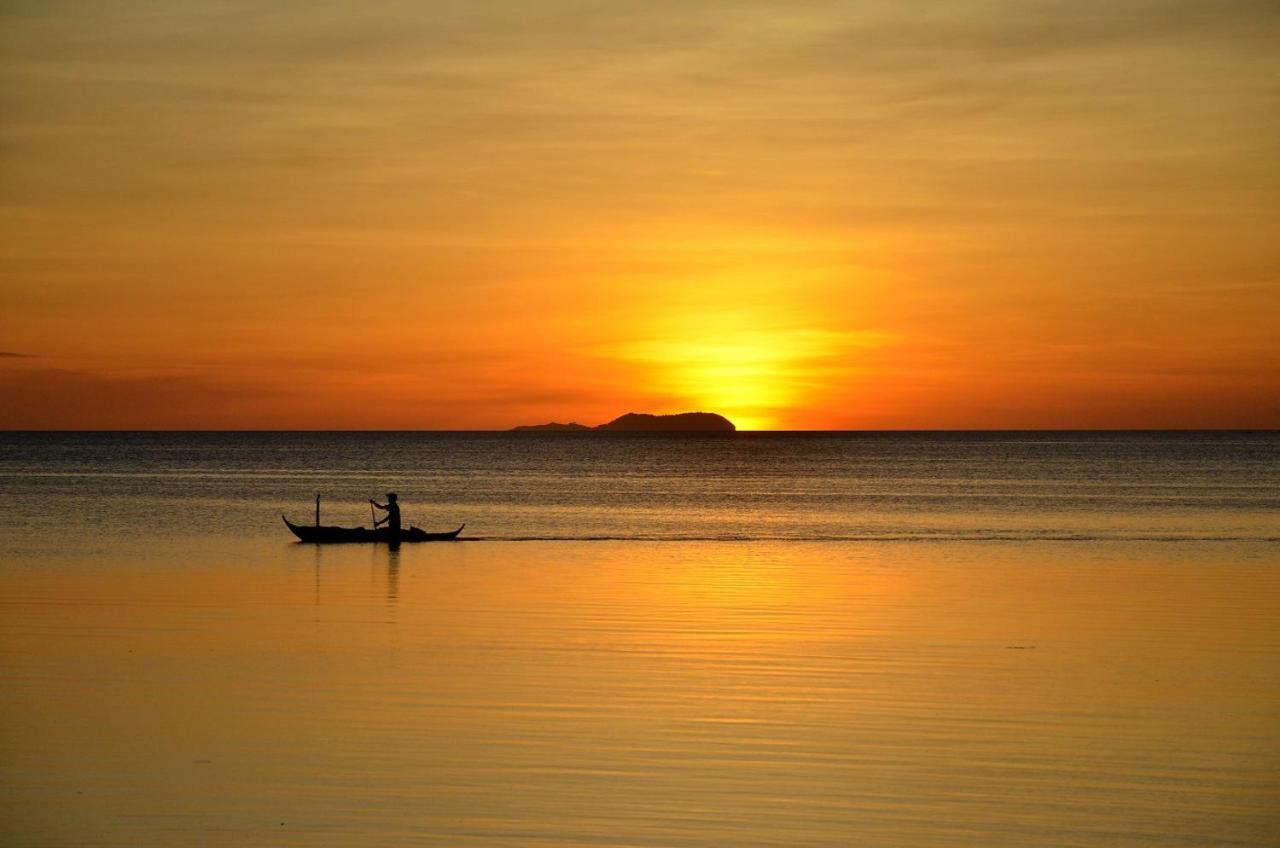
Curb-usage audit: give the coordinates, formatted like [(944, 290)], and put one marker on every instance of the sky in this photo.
[(802, 215)]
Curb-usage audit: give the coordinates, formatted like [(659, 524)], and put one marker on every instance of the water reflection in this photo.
[(627, 694), (393, 572), (317, 556)]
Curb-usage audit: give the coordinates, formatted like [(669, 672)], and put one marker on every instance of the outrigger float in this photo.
[(321, 535)]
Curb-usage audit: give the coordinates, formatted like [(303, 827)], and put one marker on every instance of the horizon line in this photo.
[(595, 432)]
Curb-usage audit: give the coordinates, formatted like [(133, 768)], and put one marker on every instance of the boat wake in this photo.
[(1007, 537)]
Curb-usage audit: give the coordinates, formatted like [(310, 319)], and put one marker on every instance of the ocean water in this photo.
[(747, 486), (997, 639)]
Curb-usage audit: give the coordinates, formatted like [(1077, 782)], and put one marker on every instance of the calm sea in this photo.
[(907, 640), (747, 486)]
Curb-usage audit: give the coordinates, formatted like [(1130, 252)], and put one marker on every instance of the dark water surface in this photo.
[(762, 640), (802, 486)]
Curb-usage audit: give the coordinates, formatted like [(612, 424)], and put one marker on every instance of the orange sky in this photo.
[(803, 215)]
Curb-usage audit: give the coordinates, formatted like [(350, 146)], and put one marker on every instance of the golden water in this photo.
[(643, 694)]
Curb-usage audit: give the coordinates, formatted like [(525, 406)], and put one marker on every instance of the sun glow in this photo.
[(564, 211), (750, 373)]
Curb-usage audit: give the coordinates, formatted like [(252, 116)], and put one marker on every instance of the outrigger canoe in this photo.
[(333, 535)]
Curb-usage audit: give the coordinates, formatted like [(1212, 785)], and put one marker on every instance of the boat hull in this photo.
[(356, 535)]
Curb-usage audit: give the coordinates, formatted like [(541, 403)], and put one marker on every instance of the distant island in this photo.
[(640, 422), (552, 427)]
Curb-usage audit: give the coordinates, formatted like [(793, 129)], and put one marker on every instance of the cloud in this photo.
[(9, 354), (49, 398), (407, 109), (562, 171), (300, 397)]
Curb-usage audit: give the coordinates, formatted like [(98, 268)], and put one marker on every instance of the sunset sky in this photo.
[(802, 215)]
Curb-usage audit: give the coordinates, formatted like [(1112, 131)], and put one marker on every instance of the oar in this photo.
[(373, 517)]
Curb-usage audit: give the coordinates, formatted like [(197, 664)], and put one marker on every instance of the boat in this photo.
[(323, 535), (335, 535)]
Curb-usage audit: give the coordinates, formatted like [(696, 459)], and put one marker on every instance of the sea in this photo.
[(751, 639)]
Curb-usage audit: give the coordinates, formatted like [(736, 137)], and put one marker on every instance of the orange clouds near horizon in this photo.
[(809, 215)]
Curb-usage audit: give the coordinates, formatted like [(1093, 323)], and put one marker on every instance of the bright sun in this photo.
[(752, 375)]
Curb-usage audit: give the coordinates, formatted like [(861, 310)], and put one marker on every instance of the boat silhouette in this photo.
[(336, 535), (328, 535)]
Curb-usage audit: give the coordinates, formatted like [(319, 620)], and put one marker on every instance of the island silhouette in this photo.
[(642, 422)]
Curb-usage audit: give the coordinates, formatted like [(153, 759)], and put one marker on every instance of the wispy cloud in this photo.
[(402, 181), (55, 398)]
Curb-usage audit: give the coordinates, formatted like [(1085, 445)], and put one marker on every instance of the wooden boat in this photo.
[(335, 535)]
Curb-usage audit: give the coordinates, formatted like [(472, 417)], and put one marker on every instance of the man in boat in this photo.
[(393, 516)]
